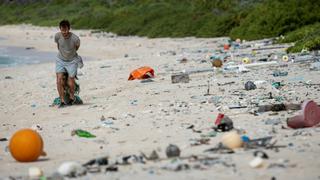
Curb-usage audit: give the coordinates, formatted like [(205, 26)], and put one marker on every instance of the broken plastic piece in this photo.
[(223, 122), (144, 72), (256, 162), (82, 133)]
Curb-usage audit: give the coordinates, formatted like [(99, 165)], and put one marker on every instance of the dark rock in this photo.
[(180, 78), (3, 139), (28, 48), (250, 86), (172, 151), (112, 169), (154, 155), (99, 161)]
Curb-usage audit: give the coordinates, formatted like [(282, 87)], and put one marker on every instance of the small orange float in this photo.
[(26, 145)]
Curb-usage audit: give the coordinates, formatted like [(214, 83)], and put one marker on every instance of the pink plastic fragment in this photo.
[(310, 116)]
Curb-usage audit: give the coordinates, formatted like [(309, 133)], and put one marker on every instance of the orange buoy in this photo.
[(26, 145)]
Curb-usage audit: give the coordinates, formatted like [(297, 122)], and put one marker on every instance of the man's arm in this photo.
[(56, 39), (77, 43)]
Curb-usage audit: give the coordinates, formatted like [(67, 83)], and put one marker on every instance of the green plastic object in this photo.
[(82, 133), (277, 85), (57, 100), (66, 98)]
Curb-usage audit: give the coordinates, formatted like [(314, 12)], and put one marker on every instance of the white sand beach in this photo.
[(149, 116)]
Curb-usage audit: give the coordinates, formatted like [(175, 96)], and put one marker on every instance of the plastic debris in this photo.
[(226, 47), (274, 121), (246, 60), (285, 58), (112, 168), (232, 140), (245, 139), (277, 85), (221, 149), (200, 141), (82, 133), (265, 142), (223, 123), (71, 169), (35, 173), (26, 145), (144, 72), (176, 166), (304, 58), (99, 161), (227, 83), (129, 159), (279, 73), (36, 127), (310, 116), (210, 134), (261, 154), (260, 83), (257, 162), (315, 66), (57, 100), (278, 107)]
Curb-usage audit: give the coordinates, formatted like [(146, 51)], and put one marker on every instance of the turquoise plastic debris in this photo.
[(276, 85), (57, 100), (279, 73)]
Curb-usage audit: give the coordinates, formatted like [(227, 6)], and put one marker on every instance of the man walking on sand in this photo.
[(67, 60)]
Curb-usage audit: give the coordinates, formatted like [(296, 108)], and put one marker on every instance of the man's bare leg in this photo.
[(71, 84), (60, 86)]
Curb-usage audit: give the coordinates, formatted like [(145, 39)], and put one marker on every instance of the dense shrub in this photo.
[(245, 19)]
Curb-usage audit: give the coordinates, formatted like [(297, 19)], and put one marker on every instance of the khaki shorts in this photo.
[(67, 66)]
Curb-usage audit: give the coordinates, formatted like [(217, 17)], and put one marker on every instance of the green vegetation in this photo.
[(307, 37), (297, 20)]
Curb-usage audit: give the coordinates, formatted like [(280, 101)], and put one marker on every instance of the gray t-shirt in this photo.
[(67, 47)]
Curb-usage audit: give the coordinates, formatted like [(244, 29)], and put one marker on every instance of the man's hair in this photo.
[(64, 23)]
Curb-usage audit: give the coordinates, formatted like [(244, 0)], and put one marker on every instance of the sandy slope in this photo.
[(148, 115)]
